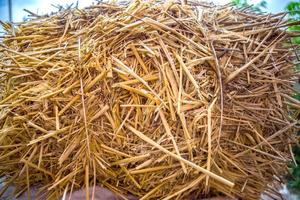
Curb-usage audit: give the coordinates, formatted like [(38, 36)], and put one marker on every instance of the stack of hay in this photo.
[(158, 100)]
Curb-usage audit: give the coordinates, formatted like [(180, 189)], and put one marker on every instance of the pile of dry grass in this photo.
[(159, 100)]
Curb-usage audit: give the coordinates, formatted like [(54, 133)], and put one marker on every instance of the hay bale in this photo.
[(159, 100)]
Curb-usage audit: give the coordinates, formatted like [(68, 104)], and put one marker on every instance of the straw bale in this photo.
[(159, 100)]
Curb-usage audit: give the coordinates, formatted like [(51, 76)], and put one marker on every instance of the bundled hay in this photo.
[(158, 100)]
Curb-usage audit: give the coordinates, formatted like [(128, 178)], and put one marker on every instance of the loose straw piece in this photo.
[(209, 133), (192, 184), (188, 73), (244, 67), (193, 165), (168, 130)]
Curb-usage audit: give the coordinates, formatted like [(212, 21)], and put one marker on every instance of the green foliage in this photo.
[(293, 9), (297, 96), (244, 3), (294, 179)]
